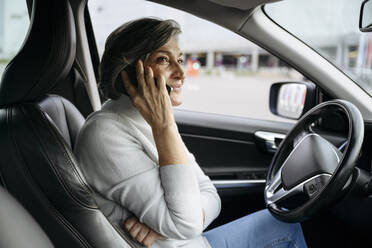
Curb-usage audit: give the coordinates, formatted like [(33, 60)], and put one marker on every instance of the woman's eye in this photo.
[(162, 59)]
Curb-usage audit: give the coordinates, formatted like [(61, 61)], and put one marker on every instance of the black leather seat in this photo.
[(37, 132), (65, 116), (17, 228)]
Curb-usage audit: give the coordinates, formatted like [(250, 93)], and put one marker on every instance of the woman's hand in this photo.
[(154, 104), (140, 232), (152, 100)]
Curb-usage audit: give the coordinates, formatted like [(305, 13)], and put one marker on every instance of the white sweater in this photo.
[(117, 154)]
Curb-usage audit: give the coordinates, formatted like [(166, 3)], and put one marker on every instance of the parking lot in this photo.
[(246, 96)]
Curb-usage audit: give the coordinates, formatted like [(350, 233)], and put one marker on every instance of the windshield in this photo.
[(331, 27)]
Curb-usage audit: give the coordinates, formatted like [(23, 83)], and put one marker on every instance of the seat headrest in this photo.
[(46, 56)]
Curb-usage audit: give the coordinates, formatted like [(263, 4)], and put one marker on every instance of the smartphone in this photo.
[(132, 75)]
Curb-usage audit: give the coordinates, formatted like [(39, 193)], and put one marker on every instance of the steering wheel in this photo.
[(308, 172)]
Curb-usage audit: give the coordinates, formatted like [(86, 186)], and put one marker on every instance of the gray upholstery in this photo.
[(65, 116), (17, 228)]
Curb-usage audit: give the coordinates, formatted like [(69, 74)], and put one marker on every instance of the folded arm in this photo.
[(165, 198)]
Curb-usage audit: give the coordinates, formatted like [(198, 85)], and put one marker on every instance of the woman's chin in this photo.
[(176, 99)]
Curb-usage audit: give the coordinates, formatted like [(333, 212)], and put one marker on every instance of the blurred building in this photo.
[(14, 23), (200, 40), (213, 46), (208, 44)]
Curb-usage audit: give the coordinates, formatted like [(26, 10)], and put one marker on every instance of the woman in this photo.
[(134, 158)]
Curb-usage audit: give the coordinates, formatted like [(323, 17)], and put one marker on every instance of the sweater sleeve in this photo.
[(211, 202), (167, 199)]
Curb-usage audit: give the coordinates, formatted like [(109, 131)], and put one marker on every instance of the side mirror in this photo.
[(365, 18), (292, 99)]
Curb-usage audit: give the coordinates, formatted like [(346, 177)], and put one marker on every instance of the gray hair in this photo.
[(128, 43)]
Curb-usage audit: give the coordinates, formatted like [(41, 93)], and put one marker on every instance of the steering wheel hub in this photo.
[(308, 171), (312, 155)]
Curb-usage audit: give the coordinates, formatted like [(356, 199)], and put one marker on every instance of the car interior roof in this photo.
[(233, 17), (243, 5)]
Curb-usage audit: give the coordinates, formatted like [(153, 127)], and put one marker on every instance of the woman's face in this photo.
[(167, 60)]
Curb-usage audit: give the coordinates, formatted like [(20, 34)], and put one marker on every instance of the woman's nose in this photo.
[(178, 71)]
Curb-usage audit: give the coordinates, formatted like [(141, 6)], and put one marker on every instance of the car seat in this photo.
[(17, 227), (37, 131)]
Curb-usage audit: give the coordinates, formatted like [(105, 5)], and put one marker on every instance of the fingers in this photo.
[(136, 229), (145, 78), (149, 74), (161, 82), (141, 76), (129, 223), (142, 233), (151, 238)]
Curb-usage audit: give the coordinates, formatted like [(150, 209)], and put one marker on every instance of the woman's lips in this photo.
[(176, 87)]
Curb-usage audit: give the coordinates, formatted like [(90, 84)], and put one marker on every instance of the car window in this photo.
[(331, 27), (14, 22), (226, 74)]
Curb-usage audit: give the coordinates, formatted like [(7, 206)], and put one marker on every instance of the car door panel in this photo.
[(226, 147), (229, 152), (226, 159)]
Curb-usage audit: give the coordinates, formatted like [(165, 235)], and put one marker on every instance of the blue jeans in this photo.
[(257, 230)]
